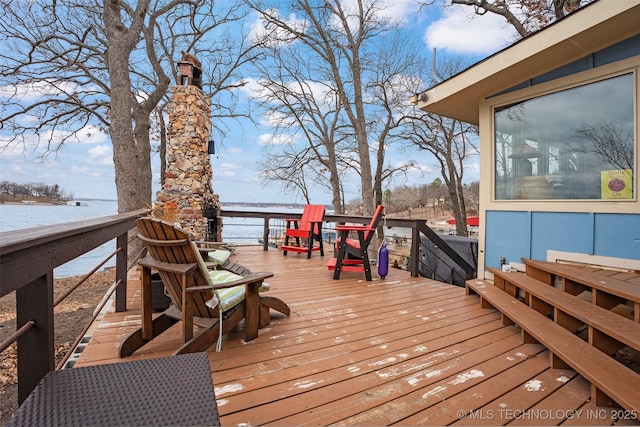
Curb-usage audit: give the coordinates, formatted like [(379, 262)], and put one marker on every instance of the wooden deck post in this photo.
[(36, 354), (121, 272)]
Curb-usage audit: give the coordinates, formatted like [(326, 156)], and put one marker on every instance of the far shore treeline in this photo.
[(12, 191)]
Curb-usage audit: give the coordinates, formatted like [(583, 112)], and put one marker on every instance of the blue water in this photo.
[(16, 217)]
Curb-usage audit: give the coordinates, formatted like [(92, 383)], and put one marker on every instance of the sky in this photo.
[(85, 167)]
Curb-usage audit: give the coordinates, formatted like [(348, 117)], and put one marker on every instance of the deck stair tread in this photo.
[(606, 375), (621, 328), (610, 285)]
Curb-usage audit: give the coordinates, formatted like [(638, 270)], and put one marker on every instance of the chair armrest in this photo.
[(206, 246), (203, 244), (246, 280), (150, 262), (296, 223)]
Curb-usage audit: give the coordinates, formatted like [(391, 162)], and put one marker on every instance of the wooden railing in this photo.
[(27, 260), (418, 228)]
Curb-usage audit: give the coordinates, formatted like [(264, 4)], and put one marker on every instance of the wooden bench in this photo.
[(611, 382), (606, 292), (607, 331)]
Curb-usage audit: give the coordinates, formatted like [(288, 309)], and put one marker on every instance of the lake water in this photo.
[(16, 217)]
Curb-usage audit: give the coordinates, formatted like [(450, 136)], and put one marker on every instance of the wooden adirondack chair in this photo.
[(352, 254), (191, 287), (305, 231)]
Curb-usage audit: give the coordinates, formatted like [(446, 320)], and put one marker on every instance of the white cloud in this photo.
[(419, 167), (462, 32), (229, 166), (33, 91), (234, 150), (79, 169), (99, 151), (91, 135), (251, 87), (394, 10), (100, 155), (267, 138), (260, 30)]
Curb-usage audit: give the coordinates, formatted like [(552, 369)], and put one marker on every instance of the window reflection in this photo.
[(572, 144)]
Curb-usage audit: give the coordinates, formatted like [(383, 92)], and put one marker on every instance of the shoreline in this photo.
[(34, 203)]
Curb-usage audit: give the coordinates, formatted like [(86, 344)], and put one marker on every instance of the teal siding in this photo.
[(617, 235), (517, 234)]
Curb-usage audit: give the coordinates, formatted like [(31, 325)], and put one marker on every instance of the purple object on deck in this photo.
[(383, 261)]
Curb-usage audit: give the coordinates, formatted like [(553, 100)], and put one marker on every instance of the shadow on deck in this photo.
[(404, 350)]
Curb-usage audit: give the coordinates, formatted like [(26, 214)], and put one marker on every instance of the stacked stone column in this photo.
[(187, 195)]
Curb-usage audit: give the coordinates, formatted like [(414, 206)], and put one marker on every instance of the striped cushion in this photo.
[(219, 256), (230, 297)]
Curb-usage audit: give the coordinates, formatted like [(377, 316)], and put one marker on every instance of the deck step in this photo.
[(607, 292), (572, 312), (611, 382)]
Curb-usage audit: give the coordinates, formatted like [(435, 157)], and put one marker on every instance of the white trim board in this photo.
[(623, 263)]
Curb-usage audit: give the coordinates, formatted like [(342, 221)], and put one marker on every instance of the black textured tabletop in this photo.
[(175, 390)]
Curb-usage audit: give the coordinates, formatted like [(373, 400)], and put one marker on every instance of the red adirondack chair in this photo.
[(352, 254), (306, 231)]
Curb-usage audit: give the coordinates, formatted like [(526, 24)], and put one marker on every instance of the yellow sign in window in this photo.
[(616, 184)]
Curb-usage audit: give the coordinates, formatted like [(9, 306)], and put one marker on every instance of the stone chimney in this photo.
[(187, 195)]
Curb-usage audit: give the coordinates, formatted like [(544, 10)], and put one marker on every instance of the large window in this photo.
[(573, 144)]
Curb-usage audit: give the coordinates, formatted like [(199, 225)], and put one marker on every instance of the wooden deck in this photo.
[(404, 350)]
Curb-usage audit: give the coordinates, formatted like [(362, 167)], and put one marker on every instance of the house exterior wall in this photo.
[(513, 229)]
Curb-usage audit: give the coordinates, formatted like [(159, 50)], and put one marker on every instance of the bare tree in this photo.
[(472, 197), (451, 143), (105, 66), (526, 16), (340, 47), (611, 142), (289, 170), (304, 113)]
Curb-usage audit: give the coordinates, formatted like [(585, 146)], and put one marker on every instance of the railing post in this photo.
[(36, 354), (415, 250), (265, 234), (121, 272)]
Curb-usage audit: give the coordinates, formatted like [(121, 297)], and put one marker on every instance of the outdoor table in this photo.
[(175, 390)]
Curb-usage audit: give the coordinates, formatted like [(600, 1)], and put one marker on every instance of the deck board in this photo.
[(403, 350)]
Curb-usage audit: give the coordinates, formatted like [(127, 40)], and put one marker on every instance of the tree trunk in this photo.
[(126, 158), (128, 161), (143, 157), (457, 198)]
